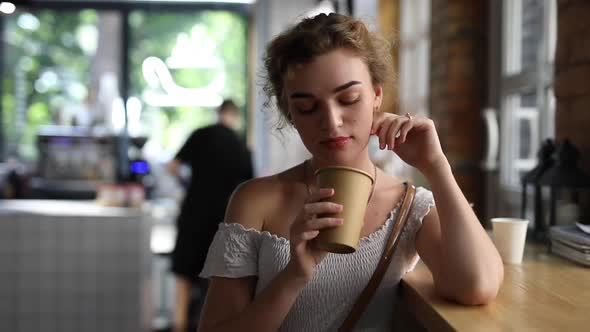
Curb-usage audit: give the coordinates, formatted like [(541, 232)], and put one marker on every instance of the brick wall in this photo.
[(572, 76), (572, 81), (458, 85)]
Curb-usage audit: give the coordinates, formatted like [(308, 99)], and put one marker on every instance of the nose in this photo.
[(331, 117)]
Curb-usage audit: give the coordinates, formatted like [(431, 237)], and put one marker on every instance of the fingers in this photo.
[(384, 132), (321, 208), (308, 224), (320, 194), (312, 227), (393, 133), (321, 223), (392, 130), (326, 219), (309, 235), (405, 129)]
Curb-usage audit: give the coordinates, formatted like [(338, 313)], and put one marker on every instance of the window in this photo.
[(47, 65), (526, 95), (182, 66), (65, 65), (414, 56), (414, 66)]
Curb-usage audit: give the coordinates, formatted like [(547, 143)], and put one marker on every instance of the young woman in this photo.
[(327, 74)]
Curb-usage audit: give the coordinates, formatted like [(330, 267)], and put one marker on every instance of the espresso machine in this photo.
[(73, 161)]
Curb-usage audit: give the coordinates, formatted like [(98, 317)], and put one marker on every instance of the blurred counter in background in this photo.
[(74, 266), (73, 162)]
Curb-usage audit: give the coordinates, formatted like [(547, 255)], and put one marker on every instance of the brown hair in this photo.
[(227, 105), (316, 36)]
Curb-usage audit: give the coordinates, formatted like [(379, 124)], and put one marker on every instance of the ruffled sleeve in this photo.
[(423, 202), (233, 252)]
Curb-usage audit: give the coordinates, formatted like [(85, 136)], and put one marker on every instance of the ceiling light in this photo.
[(7, 7)]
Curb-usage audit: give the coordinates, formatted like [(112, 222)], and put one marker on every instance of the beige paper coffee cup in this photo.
[(509, 238), (352, 189)]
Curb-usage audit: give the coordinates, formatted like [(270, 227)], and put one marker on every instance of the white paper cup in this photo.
[(509, 238)]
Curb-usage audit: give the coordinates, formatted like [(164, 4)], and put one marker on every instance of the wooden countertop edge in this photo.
[(418, 305), (548, 284)]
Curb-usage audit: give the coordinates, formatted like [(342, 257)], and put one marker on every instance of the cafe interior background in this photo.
[(97, 96)]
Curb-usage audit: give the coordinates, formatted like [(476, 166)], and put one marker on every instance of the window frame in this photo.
[(415, 46), (514, 80), (124, 8)]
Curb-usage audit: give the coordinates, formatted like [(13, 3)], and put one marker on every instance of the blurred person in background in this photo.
[(219, 161)]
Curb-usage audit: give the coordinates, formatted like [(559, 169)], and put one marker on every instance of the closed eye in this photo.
[(306, 111), (305, 108), (350, 101)]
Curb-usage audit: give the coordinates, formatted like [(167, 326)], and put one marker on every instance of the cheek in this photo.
[(363, 120), (364, 128), (306, 133)]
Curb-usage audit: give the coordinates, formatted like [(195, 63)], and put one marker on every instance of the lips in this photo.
[(336, 143)]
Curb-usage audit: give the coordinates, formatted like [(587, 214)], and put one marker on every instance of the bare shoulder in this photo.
[(253, 205), (257, 203), (254, 201)]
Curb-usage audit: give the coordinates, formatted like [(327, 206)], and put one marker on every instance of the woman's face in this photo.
[(331, 102)]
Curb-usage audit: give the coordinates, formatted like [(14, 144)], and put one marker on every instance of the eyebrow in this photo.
[(337, 89)]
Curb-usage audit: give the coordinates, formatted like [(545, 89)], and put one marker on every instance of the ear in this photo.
[(378, 88)]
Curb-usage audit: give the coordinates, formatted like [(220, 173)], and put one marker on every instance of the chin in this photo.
[(337, 158)]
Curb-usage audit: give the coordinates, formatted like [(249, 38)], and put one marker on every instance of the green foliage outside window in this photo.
[(48, 57), (45, 68), (156, 35)]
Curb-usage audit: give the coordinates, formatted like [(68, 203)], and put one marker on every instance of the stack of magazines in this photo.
[(569, 241)]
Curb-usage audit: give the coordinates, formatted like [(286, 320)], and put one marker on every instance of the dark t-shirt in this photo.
[(219, 161)]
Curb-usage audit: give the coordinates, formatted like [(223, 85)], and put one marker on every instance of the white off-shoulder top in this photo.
[(327, 299)]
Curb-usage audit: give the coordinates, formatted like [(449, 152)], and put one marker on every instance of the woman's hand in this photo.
[(305, 255), (412, 138)]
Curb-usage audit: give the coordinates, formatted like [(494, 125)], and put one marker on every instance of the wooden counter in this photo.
[(545, 293)]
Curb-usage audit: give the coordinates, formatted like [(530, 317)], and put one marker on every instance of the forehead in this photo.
[(326, 72)]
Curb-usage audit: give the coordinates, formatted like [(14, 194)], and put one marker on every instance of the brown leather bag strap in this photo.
[(363, 300)]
